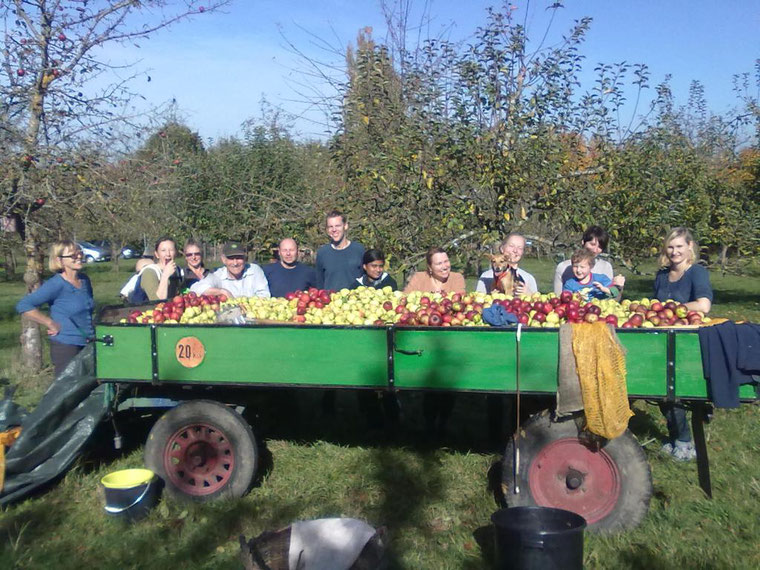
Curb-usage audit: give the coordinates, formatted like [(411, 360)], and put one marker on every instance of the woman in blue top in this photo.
[(69, 295), (683, 281)]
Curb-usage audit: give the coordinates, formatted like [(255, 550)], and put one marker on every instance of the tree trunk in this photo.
[(9, 264), (31, 341), (723, 256)]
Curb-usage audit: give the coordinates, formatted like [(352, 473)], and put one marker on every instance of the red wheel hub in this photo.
[(199, 459), (568, 475)]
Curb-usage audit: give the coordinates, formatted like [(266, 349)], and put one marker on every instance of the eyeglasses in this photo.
[(77, 255), (193, 254)]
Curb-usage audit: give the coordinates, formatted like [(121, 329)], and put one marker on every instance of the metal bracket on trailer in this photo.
[(153, 355), (670, 370), (700, 413), (390, 342)]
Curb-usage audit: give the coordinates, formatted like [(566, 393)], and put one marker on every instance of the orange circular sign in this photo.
[(190, 351)]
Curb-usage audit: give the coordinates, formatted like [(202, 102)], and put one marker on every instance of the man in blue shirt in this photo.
[(288, 274), (339, 262)]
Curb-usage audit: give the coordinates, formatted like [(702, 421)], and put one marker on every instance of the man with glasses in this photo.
[(237, 278), (288, 274)]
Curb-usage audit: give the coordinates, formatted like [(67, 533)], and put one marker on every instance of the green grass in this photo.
[(435, 499)]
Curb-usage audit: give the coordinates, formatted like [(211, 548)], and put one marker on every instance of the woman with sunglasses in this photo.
[(194, 259), (69, 295)]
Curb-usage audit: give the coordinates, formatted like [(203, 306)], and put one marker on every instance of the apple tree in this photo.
[(59, 95)]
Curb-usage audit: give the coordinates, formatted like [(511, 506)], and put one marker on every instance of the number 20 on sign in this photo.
[(190, 351)]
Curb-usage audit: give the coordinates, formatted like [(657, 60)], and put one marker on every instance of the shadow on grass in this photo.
[(724, 296)]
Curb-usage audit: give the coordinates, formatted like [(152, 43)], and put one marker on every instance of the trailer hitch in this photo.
[(107, 340)]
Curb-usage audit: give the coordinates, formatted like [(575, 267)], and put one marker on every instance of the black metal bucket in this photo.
[(533, 538)]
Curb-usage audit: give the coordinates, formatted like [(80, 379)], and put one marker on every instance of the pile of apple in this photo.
[(552, 311), (435, 310), (366, 306), (187, 308), (667, 314)]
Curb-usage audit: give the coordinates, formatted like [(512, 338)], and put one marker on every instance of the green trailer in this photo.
[(203, 448)]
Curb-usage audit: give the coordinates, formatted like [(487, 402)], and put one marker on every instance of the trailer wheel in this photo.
[(610, 486), (202, 450)]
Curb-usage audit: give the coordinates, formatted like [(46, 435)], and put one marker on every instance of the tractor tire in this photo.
[(608, 482), (202, 450)]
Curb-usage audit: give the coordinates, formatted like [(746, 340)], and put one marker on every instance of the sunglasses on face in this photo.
[(77, 255), (193, 254)]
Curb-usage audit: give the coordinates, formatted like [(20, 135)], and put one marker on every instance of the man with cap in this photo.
[(237, 278)]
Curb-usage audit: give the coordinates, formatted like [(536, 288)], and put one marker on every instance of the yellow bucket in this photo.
[(130, 493)]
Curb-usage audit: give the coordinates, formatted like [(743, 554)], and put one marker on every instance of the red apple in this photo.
[(694, 319), (387, 306), (611, 319), (565, 297)]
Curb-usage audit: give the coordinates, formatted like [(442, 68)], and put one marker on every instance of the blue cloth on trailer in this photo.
[(498, 316), (729, 360)]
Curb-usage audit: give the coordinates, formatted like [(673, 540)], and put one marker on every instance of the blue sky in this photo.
[(219, 66)]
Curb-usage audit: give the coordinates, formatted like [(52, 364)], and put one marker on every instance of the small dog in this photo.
[(505, 278)]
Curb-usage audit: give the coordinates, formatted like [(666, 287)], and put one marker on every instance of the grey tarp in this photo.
[(53, 435)]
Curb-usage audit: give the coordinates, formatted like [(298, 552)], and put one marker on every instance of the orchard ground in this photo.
[(436, 499)]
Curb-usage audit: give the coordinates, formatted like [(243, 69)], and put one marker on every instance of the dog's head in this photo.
[(499, 263)]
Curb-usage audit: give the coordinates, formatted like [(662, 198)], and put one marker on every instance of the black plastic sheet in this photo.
[(54, 434)]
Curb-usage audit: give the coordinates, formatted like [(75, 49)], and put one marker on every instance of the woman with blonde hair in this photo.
[(688, 283), (68, 293), (679, 278)]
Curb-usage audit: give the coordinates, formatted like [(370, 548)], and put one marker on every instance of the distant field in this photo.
[(434, 498)]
